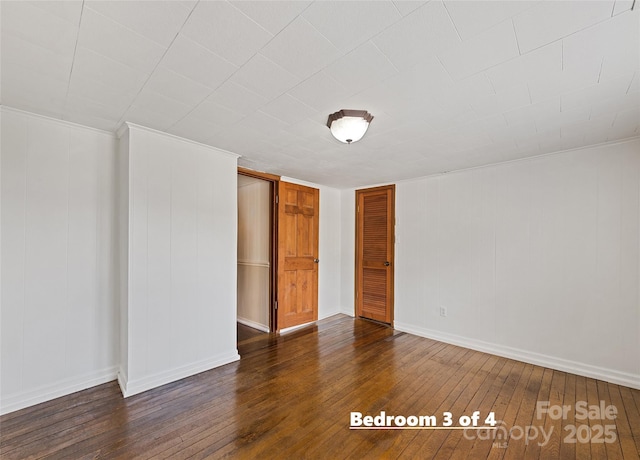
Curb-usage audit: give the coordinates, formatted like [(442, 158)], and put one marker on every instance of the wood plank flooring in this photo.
[(250, 339), (291, 396)]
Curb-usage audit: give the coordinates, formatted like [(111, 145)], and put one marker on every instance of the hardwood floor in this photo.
[(250, 340), (291, 396)]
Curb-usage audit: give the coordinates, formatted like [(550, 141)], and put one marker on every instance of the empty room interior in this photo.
[(320, 229)]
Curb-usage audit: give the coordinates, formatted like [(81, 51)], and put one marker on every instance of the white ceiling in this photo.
[(451, 84)]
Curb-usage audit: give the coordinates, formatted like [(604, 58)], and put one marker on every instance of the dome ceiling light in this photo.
[(349, 126)]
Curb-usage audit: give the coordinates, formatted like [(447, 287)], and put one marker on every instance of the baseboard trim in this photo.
[(296, 327), (56, 390), (122, 380), (573, 367), (253, 324), (136, 386), (328, 314)]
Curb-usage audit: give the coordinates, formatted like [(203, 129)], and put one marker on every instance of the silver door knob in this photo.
[(315, 261), (386, 264)]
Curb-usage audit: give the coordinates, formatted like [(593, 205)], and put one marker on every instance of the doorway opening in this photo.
[(256, 269), (277, 253)]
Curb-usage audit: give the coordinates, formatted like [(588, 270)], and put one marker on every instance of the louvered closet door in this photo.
[(374, 253)]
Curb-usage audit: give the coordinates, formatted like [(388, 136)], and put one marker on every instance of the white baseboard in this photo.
[(573, 367), (253, 324), (298, 326), (327, 314), (348, 312), (133, 387), (55, 390), (122, 380)]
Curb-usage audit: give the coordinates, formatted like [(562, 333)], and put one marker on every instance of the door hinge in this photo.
[(358, 208), (276, 304), (277, 199)]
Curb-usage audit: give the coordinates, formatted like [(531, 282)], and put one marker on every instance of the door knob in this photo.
[(315, 261), (386, 264)]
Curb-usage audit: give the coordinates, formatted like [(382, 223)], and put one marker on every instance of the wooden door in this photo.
[(298, 219), (375, 224)]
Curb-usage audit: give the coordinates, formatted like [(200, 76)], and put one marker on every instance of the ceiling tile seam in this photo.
[(297, 100), (453, 23), (385, 56), (600, 71), (107, 58), (119, 24), (73, 59), (326, 38), (253, 20), (483, 31), (635, 75), (503, 62), (396, 7), (613, 7), (447, 70), (402, 17), (110, 19), (199, 45), (564, 37), (515, 34), (493, 88), (180, 75), (121, 120), (326, 76), (538, 131), (36, 4), (13, 63), (33, 43), (360, 41), (260, 25), (373, 36)]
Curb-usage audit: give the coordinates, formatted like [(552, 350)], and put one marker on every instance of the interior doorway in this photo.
[(277, 253), (256, 291)]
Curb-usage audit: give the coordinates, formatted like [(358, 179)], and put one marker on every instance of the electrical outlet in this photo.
[(443, 312)]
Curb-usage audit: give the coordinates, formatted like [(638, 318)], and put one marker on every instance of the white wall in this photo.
[(59, 274), (348, 251), (329, 277), (536, 260), (254, 252), (181, 308), (98, 239)]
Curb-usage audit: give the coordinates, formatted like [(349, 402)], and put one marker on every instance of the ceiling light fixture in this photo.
[(349, 126)]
